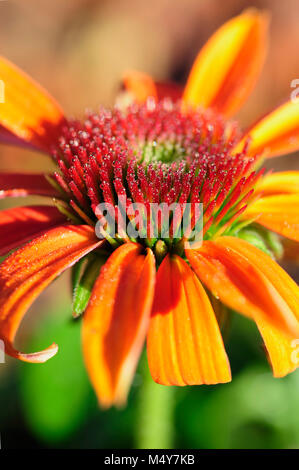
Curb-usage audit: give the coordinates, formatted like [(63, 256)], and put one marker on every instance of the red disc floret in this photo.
[(155, 153)]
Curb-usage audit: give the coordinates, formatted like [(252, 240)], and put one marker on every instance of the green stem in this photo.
[(155, 420)]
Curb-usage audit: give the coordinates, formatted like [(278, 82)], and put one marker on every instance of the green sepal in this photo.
[(83, 281), (66, 210), (51, 180), (77, 272), (274, 243), (253, 237)]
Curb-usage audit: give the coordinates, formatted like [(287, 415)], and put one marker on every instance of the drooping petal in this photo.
[(244, 285), (141, 86), (184, 343), (25, 184), (28, 111), (282, 182), (116, 321), (278, 213), (281, 348), (20, 224), (227, 67), (275, 134), (281, 281), (28, 271)]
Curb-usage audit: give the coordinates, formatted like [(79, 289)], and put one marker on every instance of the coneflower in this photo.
[(169, 147)]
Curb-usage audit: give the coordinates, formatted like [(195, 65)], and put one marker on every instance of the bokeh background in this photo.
[(78, 50)]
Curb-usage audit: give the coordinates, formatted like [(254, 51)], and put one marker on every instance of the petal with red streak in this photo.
[(25, 184), (28, 271), (116, 321), (7, 137), (281, 281), (184, 343), (141, 86), (282, 182), (20, 224), (275, 134), (28, 111), (278, 213), (243, 285), (226, 69), (281, 347)]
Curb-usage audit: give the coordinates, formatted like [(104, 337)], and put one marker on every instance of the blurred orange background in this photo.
[(79, 49)]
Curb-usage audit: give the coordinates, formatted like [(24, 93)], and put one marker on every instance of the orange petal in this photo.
[(275, 134), (7, 137), (278, 213), (116, 321), (283, 182), (226, 69), (139, 85), (28, 271), (28, 111), (184, 344), (243, 284), (281, 348), (24, 184), (280, 280), (20, 224)]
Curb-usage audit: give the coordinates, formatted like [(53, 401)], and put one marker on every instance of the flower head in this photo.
[(154, 153), (169, 147)]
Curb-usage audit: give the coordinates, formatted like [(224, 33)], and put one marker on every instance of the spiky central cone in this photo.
[(153, 154)]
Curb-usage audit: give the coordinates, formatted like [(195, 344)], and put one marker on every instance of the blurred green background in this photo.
[(78, 49)]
